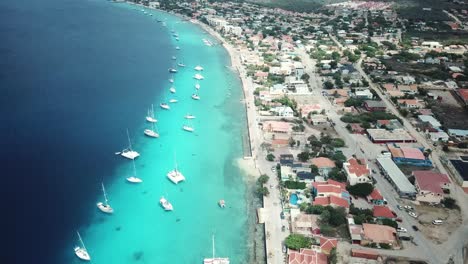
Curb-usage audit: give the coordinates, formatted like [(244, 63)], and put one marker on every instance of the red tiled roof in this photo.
[(382, 211), (430, 181), (331, 200), (413, 153), (358, 169), (379, 233), (327, 244), (328, 189), (307, 256), (337, 183), (375, 195)]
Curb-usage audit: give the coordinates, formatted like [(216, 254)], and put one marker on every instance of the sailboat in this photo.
[(166, 204), (164, 106), (172, 89), (171, 80), (150, 117), (189, 116), (180, 64), (134, 179), (215, 260), (173, 101), (175, 175), (197, 86), (80, 251), (172, 70), (151, 132), (195, 96), (188, 127), (198, 76), (105, 207), (128, 152), (198, 68)]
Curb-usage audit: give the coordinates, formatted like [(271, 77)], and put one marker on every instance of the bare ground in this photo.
[(449, 112), (437, 233)]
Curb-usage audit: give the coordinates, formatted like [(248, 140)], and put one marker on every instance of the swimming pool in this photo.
[(293, 198)]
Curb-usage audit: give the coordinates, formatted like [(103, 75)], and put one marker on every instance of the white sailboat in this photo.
[(189, 116), (188, 127), (198, 68), (128, 152), (173, 101), (172, 89), (104, 206), (151, 132), (215, 260), (80, 251), (180, 64), (134, 178), (166, 204), (164, 106), (175, 175), (150, 116), (195, 96), (198, 76)]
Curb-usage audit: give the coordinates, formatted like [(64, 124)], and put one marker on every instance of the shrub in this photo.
[(270, 157), (360, 189), (449, 203), (295, 185), (263, 179), (389, 222), (297, 241), (263, 191)]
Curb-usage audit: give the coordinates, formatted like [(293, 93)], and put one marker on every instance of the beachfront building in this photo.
[(306, 256), (409, 156), (277, 127), (394, 175), (439, 136), (304, 224), (357, 171), (378, 135), (284, 111), (430, 186), (324, 165), (331, 193)]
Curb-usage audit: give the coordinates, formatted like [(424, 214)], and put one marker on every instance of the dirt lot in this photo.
[(437, 233), (449, 112)]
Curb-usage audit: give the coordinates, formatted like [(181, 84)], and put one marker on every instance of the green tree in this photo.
[(360, 189), (297, 241), (328, 85), (303, 156), (389, 222), (325, 217), (270, 157), (305, 77), (337, 175), (263, 191), (327, 230), (449, 203), (333, 258), (338, 143), (314, 169), (263, 179)]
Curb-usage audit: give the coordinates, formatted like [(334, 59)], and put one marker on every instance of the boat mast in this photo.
[(134, 168), (81, 240), (152, 111), (175, 161), (213, 245), (129, 142), (104, 192)]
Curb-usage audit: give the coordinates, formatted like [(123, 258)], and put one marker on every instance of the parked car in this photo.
[(415, 228), (408, 208), (284, 248), (399, 207), (401, 229), (282, 215), (413, 214), (437, 222)]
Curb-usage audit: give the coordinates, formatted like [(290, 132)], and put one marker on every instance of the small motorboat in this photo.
[(177, 48), (222, 203), (173, 101), (133, 179), (166, 204), (172, 89), (180, 64), (195, 97), (164, 106), (189, 116), (171, 80), (172, 70), (198, 68), (198, 76), (197, 86), (188, 128)]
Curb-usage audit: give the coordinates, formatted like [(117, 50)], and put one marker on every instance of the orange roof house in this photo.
[(381, 212), (357, 171), (307, 256), (378, 234), (327, 244)]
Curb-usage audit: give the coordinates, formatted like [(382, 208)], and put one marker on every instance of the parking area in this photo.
[(437, 233)]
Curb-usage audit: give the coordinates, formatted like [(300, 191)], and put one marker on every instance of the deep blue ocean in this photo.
[(74, 75)]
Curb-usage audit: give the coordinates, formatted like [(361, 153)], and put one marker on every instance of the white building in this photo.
[(357, 171), (284, 111)]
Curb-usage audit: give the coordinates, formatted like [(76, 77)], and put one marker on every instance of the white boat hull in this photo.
[(151, 119), (188, 129), (195, 97), (198, 76), (189, 117), (133, 179), (173, 101), (166, 204), (165, 106), (151, 133), (172, 90), (82, 254), (130, 154), (216, 261), (198, 68), (105, 208), (175, 176)]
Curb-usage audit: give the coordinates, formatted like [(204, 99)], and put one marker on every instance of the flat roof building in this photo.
[(378, 135), (391, 171)]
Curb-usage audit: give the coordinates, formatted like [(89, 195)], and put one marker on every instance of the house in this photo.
[(365, 254), (355, 231), (304, 224), (324, 165), (373, 233), (307, 256), (409, 103), (458, 133), (383, 212), (408, 89), (318, 119), (409, 156), (287, 173), (332, 201), (396, 177), (306, 109), (430, 120), (364, 94), (287, 159), (430, 186), (389, 124), (373, 106), (284, 111), (327, 244), (378, 135), (357, 171), (375, 197), (277, 127), (439, 136)]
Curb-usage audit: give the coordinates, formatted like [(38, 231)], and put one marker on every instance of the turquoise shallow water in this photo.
[(140, 231)]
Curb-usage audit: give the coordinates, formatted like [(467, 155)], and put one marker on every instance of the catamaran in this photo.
[(198, 76), (128, 152), (172, 89), (164, 106), (215, 260), (189, 116), (166, 204), (198, 68), (151, 132), (134, 179), (195, 96), (80, 251), (105, 207), (150, 117), (175, 175)]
